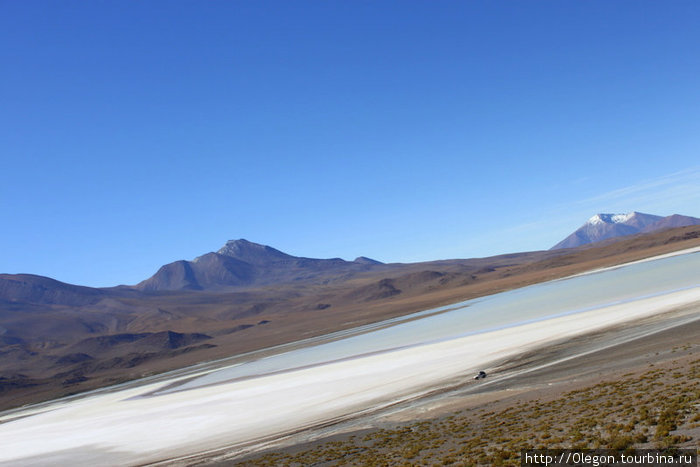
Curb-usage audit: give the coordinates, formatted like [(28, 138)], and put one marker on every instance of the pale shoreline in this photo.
[(118, 426), (639, 261), (320, 394), (433, 394), (542, 378)]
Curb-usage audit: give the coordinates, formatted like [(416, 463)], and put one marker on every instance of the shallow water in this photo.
[(506, 309)]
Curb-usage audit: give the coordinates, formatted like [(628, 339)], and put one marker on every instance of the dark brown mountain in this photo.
[(606, 226), (671, 222), (209, 271), (253, 253), (241, 263), (365, 260), (39, 289)]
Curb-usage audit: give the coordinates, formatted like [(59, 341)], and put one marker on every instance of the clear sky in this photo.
[(136, 133)]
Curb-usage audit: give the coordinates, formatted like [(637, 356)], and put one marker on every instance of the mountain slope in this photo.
[(240, 263), (252, 253), (671, 222), (604, 226), (39, 289)]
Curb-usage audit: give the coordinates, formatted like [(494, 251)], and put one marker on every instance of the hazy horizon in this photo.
[(137, 134)]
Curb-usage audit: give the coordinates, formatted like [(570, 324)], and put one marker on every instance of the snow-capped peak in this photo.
[(619, 218), (610, 218)]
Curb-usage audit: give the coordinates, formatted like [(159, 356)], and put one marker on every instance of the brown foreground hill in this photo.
[(58, 339)]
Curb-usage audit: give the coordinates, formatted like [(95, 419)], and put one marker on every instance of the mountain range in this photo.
[(605, 226), (244, 263), (57, 338), (241, 263)]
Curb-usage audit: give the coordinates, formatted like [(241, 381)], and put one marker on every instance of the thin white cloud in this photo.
[(668, 192), (675, 193)]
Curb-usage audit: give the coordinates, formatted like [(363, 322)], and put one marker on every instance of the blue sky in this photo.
[(135, 133)]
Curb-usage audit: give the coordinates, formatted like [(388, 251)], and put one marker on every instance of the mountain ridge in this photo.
[(242, 263), (604, 226)]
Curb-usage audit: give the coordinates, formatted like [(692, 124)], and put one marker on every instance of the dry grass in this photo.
[(650, 410)]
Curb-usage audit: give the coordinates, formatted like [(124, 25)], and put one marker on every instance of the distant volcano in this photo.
[(605, 226)]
